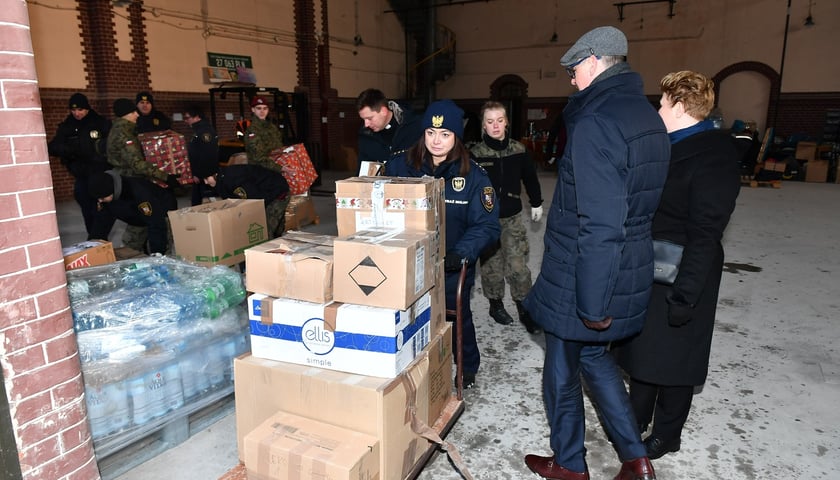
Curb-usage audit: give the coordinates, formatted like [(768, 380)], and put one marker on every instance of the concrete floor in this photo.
[(767, 411)]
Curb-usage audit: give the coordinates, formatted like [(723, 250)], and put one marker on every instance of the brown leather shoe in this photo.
[(638, 469), (546, 468)]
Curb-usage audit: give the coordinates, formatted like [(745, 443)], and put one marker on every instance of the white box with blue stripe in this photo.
[(373, 341)]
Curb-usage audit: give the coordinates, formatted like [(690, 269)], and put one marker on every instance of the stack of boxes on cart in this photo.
[(351, 353)]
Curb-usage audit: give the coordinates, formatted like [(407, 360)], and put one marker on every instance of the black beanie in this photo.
[(78, 100), (100, 185), (144, 96), (123, 106)]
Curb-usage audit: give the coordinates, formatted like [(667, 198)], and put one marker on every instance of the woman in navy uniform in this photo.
[(472, 219)]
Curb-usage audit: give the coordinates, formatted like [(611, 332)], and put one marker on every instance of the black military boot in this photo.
[(525, 318), (498, 312)]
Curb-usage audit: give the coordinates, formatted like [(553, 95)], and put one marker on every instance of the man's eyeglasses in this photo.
[(571, 68)]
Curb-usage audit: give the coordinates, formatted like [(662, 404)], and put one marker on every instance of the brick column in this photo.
[(40, 360)]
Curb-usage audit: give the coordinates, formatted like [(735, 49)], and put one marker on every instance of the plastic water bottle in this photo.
[(107, 407)]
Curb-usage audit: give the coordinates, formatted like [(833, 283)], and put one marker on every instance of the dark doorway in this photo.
[(511, 91), (9, 462)]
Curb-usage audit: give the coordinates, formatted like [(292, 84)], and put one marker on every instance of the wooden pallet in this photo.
[(761, 183), (119, 453)]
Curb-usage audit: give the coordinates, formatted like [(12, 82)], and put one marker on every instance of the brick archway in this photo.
[(767, 71), (512, 90)]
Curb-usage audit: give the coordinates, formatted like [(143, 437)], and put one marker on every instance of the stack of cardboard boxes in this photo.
[(350, 348)]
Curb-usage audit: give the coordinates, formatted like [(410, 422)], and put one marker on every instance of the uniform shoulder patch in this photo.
[(488, 198), (145, 208), (206, 137), (240, 192)]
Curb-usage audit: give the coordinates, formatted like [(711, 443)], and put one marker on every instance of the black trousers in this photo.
[(666, 406)]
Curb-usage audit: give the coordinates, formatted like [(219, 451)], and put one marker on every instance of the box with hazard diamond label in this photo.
[(383, 268)]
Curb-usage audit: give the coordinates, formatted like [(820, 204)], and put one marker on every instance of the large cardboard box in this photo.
[(806, 151), (816, 171), (290, 447), (218, 232), (297, 265), (88, 254), (383, 268), (391, 202), (375, 406), (379, 342), (300, 212)]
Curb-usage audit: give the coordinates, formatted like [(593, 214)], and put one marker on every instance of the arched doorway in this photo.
[(751, 90), (511, 91)]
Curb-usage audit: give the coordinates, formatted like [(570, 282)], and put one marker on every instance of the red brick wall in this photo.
[(40, 359)]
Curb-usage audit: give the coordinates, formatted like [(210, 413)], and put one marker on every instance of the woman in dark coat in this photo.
[(671, 354)]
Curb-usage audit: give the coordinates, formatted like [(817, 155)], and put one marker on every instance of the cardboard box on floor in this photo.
[(218, 232), (370, 405), (300, 212), (383, 268), (297, 265), (88, 254), (816, 171), (287, 443), (373, 341), (391, 202)]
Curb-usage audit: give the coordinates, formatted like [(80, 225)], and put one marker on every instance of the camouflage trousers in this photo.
[(137, 237), (275, 216), (509, 262)]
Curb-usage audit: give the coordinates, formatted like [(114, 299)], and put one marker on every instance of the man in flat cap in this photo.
[(594, 288), (150, 119), (80, 142)]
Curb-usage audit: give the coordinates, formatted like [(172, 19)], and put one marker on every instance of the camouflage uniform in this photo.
[(509, 166), (126, 155), (261, 138)]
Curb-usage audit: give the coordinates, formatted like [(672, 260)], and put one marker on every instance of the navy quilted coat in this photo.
[(598, 258)]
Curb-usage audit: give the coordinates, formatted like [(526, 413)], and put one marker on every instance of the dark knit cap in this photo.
[(445, 114), (78, 100), (601, 41), (123, 106), (100, 185), (144, 96)]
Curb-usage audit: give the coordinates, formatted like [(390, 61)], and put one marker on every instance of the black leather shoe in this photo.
[(469, 380), (525, 319), (638, 469), (498, 312), (657, 447), (546, 468)]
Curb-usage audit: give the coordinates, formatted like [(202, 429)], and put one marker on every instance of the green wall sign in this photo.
[(230, 62)]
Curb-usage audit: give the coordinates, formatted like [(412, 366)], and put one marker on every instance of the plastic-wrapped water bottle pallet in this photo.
[(118, 453)]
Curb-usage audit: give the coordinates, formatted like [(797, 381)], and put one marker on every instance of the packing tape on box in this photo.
[(267, 311), (420, 428), (330, 316)]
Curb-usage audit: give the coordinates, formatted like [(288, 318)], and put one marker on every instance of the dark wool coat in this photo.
[(598, 258), (697, 201)]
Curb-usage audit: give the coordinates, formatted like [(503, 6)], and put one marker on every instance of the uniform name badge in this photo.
[(458, 183)]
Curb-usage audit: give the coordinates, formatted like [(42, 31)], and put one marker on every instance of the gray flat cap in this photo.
[(600, 41)]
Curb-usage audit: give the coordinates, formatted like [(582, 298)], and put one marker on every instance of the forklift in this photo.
[(288, 111)]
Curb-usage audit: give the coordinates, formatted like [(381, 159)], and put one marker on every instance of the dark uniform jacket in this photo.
[(251, 181), (697, 202), (155, 121), (261, 138), (203, 149), (509, 165), (472, 217), (136, 202), (598, 258), (382, 146), (81, 144), (126, 154)]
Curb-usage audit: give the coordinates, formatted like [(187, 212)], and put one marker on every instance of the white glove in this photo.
[(536, 213)]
